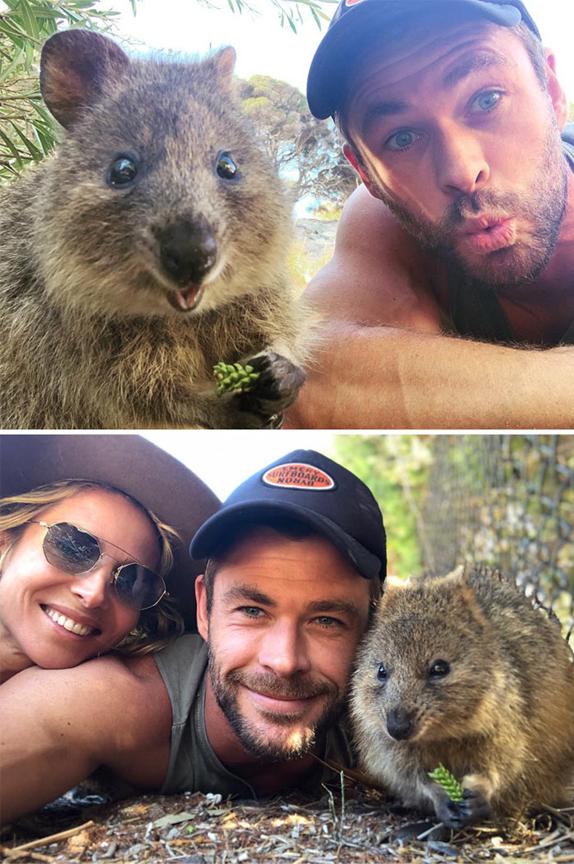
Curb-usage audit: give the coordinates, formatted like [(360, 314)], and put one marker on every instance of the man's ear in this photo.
[(201, 601), (353, 158), (557, 94)]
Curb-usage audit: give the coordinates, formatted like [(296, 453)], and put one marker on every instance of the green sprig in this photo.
[(448, 782), (234, 376)]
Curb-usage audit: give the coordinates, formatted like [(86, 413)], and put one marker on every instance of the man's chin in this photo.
[(281, 734), (505, 267), (274, 742), (278, 736)]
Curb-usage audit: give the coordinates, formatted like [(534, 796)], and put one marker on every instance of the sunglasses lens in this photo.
[(69, 549), (138, 587)]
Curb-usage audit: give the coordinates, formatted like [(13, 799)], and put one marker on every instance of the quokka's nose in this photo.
[(188, 251), (400, 724)]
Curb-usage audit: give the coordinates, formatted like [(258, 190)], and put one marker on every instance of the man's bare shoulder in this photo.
[(378, 273), (364, 217), (59, 725), (92, 696), (124, 671)]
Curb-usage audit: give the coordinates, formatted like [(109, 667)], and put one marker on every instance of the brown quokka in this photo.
[(149, 248), (463, 670)]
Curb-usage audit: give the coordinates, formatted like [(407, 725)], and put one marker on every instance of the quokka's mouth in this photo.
[(186, 299)]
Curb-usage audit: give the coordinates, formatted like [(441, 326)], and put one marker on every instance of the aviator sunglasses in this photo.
[(76, 552)]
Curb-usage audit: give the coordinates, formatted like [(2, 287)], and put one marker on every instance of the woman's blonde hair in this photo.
[(156, 626)]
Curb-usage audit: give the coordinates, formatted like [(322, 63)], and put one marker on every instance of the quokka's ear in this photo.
[(224, 62), (73, 68)]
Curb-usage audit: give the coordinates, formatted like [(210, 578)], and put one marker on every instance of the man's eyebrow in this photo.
[(388, 108), (341, 607), (245, 592), (482, 60)]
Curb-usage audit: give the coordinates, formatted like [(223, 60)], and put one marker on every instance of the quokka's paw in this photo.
[(459, 814), (276, 390)]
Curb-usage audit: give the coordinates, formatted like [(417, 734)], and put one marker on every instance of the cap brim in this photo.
[(345, 40), (130, 463), (212, 532)]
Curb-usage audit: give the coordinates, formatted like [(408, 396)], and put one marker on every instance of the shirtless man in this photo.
[(296, 556), (463, 227)]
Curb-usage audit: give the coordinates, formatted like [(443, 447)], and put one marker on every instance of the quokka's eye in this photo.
[(382, 673), (122, 172), (439, 668), (226, 167)]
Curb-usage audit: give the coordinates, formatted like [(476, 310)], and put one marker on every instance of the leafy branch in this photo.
[(27, 131), (449, 783), (291, 13)]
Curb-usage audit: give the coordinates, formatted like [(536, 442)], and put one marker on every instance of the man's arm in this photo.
[(380, 360), (58, 726)]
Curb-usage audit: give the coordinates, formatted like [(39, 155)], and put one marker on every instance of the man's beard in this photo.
[(542, 208), (261, 745)]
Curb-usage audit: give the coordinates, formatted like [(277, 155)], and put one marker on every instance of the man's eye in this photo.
[(485, 102), (251, 611), (327, 621), (401, 140)]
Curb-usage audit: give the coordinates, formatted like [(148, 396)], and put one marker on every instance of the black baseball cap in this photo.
[(355, 21), (318, 491)]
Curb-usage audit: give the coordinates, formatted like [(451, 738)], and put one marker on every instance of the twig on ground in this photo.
[(46, 841)]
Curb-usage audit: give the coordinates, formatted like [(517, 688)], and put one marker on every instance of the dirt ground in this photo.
[(355, 825)]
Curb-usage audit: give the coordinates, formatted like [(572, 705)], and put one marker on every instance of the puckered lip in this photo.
[(75, 616), (482, 223), (487, 234)]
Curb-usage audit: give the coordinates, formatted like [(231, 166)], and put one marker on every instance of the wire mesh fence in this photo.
[(506, 501)]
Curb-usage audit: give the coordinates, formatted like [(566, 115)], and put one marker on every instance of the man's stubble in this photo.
[(280, 747), (543, 208)]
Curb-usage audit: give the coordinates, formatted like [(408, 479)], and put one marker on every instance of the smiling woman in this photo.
[(84, 562), (58, 606)]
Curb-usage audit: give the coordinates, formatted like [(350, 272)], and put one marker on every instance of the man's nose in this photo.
[(93, 588), (462, 167), (283, 650)]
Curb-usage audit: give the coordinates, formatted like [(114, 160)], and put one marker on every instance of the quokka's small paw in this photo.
[(474, 808), (276, 390)]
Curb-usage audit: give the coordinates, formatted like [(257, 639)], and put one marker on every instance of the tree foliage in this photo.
[(291, 13), (396, 470), (27, 132), (306, 151)]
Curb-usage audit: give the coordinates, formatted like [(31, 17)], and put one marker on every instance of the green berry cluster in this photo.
[(450, 785), (234, 377)]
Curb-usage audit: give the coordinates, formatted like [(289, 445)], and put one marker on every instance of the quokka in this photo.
[(150, 247), (463, 670)]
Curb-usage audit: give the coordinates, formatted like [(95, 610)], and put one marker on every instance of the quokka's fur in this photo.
[(501, 719), (93, 331)]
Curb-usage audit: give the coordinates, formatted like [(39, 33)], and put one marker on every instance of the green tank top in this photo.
[(477, 313), (193, 766)]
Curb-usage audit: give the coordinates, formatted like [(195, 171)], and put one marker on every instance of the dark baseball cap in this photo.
[(318, 491), (356, 21)]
